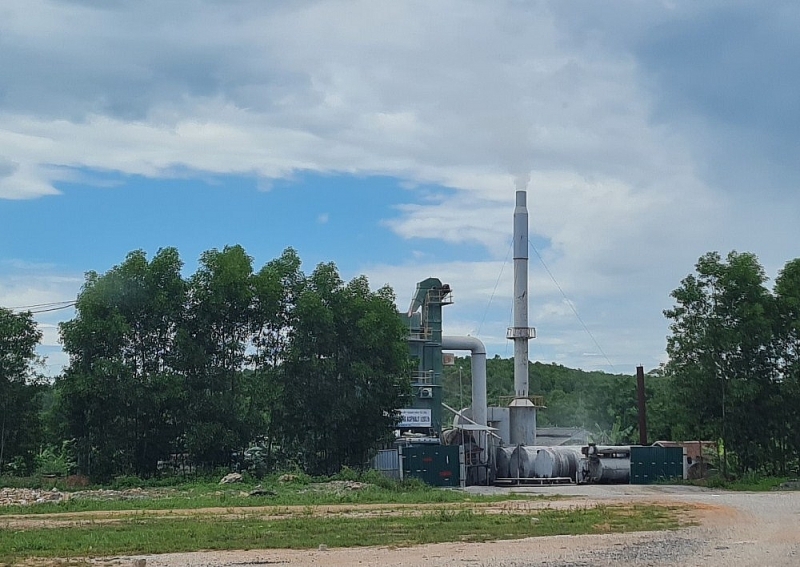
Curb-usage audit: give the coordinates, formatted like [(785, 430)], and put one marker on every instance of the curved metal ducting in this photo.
[(478, 350)]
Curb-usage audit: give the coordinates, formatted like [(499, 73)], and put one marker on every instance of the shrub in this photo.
[(51, 461)]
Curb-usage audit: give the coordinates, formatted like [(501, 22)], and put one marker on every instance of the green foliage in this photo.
[(126, 481), (272, 369), (750, 482), (733, 361), (121, 396), (617, 435), (346, 473), (787, 349), (345, 372), (59, 462), (20, 390), (228, 368)]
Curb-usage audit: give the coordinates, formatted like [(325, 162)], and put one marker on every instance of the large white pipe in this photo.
[(475, 346)]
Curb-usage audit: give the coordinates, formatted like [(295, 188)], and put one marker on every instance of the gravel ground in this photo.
[(736, 529)]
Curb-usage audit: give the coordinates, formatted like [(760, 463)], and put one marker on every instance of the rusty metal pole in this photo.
[(642, 406)]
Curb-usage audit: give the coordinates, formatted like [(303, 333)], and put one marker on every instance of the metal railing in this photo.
[(521, 333), (422, 377), (441, 296), (423, 334), (538, 401)]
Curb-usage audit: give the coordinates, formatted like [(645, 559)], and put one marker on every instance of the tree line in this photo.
[(273, 367), (601, 403), (734, 361)]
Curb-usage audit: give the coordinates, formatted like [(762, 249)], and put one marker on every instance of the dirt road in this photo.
[(735, 529)]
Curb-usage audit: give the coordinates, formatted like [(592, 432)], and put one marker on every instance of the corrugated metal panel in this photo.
[(655, 464), (437, 465), (387, 461)]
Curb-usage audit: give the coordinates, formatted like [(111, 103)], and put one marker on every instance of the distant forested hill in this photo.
[(600, 402)]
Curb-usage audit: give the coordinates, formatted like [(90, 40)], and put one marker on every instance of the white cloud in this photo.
[(466, 95)]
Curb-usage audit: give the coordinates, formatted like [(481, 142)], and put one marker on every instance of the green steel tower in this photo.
[(424, 319)]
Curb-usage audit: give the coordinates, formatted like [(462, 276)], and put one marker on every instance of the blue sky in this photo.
[(389, 138)]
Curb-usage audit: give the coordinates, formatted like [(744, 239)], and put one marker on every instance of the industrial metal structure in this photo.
[(493, 444), (423, 420)]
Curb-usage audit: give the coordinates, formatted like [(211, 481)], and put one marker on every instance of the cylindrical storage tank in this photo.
[(522, 461), (610, 470), (557, 462), (503, 462)]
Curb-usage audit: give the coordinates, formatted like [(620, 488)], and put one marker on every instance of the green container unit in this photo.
[(437, 465), (656, 464)]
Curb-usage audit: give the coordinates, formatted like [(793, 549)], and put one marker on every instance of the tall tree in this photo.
[(19, 387), (218, 331), (276, 288)]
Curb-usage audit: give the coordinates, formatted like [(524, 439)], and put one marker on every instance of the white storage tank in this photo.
[(557, 462), (523, 460)]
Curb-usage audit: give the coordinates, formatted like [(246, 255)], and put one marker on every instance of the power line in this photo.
[(36, 305), (571, 306), (45, 307), (67, 306), (496, 284)]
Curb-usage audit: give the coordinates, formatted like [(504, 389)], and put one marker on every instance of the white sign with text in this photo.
[(411, 417)]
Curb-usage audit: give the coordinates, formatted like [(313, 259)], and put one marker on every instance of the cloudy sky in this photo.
[(389, 138)]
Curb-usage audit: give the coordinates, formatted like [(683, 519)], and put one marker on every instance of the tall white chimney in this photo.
[(522, 416)]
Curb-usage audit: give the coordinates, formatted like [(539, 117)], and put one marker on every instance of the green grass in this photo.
[(746, 483), (146, 536)]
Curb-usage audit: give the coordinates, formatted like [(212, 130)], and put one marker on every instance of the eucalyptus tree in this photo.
[(218, 329), (276, 288), (19, 386)]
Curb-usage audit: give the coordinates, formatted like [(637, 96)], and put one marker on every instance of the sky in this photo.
[(389, 138)]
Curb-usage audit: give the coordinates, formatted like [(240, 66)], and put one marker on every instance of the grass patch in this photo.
[(746, 483), (146, 536)]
